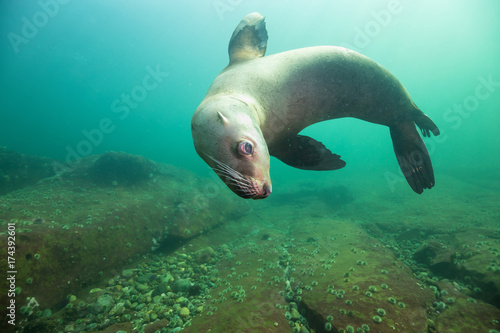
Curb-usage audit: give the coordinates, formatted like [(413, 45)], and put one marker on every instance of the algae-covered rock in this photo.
[(315, 274), (463, 314), (437, 256), (469, 256), (104, 303), (141, 287), (205, 255), (288, 267), (127, 273), (347, 276), (19, 170), (121, 169), (184, 312), (77, 228), (182, 286)]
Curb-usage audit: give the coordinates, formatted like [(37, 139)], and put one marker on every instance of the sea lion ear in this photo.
[(222, 118), (249, 39)]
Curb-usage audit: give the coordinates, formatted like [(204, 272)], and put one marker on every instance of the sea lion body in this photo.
[(298, 88), (281, 94)]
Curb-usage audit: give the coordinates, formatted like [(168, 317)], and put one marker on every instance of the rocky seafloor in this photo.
[(98, 254)]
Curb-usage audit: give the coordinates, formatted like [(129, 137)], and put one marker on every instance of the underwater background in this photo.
[(64, 79), (75, 81)]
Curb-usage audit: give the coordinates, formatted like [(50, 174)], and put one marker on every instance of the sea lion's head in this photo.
[(230, 141)]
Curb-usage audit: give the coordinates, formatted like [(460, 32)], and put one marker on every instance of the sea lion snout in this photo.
[(258, 192), (261, 190), (248, 184), (253, 192), (266, 190)]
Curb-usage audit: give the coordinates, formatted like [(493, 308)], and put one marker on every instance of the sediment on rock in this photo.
[(83, 225)]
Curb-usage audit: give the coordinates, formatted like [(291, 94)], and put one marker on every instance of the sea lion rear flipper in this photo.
[(249, 39), (412, 156), (303, 152)]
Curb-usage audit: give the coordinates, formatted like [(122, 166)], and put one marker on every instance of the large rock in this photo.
[(19, 170), (117, 168), (460, 313), (299, 271), (469, 256), (104, 212), (284, 268)]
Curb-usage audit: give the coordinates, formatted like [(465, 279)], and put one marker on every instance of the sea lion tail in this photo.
[(412, 155)]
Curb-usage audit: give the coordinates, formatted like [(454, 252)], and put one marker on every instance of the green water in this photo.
[(79, 78), (66, 65)]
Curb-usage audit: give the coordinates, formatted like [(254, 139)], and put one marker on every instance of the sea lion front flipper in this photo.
[(303, 152), (249, 39), (413, 157)]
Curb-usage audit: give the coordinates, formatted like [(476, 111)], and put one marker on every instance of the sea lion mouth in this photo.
[(255, 192), (243, 186)]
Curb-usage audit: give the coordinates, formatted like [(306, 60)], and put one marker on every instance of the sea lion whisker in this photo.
[(231, 174), (234, 181), (239, 183), (241, 189), (227, 171), (235, 178), (230, 170), (224, 166)]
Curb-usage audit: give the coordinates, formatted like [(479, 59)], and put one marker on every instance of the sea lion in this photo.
[(257, 106)]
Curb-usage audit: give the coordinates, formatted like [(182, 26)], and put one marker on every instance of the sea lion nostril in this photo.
[(267, 190)]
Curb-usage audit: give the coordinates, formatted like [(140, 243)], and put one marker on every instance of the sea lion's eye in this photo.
[(245, 148)]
